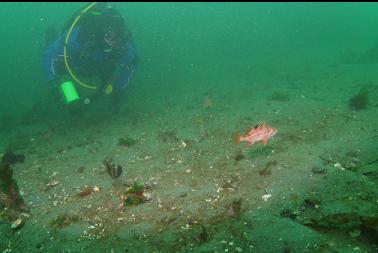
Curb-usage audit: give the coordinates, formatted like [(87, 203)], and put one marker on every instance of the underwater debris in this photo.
[(11, 158), (85, 192), (50, 185), (64, 220), (348, 161), (88, 190), (113, 170), (126, 141), (360, 101)]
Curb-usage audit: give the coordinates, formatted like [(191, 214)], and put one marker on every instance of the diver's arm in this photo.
[(50, 58), (125, 69)]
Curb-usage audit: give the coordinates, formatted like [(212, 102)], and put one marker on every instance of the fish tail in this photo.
[(236, 138)]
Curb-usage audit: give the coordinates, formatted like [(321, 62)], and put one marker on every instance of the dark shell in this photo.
[(113, 170)]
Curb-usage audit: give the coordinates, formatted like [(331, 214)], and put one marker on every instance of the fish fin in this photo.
[(260, 123), (264, 141), (248, 131), (236, 138)]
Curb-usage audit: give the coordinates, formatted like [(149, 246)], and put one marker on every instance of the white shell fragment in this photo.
[(96, 188), (17, 223), (339, 166), (147, 196), (266, 197)]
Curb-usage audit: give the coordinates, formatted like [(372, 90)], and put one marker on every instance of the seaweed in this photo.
[(360, 101), (136, 188), (134, 196), (134, 199)]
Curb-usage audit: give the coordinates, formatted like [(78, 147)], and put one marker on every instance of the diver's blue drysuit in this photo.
[(54, 67)]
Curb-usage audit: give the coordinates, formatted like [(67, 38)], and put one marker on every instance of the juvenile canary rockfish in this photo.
[(260, 133)]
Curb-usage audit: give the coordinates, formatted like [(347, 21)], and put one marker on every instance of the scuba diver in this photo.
[(94, 56)]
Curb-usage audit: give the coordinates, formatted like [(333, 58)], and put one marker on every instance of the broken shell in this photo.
[(147, 195), (266, 197), (52, 183), (17, 223), (183, 144), (96, 188), (339, 166)]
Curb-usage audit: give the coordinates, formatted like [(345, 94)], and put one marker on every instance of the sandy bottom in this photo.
[(312, 188)]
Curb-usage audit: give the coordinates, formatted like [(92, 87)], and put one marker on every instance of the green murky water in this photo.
[(205, 71)]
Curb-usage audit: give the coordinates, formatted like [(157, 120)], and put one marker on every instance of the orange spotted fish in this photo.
[(260, 133)]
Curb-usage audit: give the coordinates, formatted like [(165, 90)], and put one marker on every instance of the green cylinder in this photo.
[(69, 92)]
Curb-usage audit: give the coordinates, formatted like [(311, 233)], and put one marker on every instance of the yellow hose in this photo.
[(65, 48)]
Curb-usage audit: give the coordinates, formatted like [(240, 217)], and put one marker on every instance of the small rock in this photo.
[(318, 170)]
